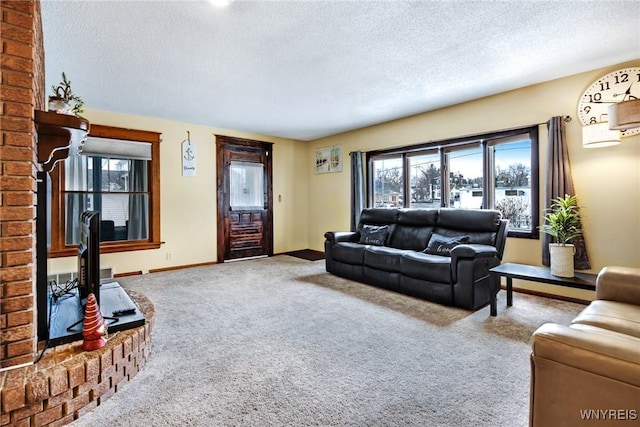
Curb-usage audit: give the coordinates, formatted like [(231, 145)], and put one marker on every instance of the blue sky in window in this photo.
[(468, 161)]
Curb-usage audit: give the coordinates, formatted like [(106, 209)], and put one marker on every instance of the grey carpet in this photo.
[(278, 341)]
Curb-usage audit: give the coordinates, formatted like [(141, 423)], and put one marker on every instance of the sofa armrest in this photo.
[(620, 284), (474, 251), (591, 349), (469, 262), (342, 236), (579, 369)]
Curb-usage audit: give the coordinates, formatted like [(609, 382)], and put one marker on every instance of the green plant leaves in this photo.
[(63, 91), (562, 219)]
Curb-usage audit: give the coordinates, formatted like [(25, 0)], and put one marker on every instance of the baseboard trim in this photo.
[(130, 273), (158, 270), (180, 267)]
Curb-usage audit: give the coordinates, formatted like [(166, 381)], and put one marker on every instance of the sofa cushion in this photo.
[(612, 315), (433, 268), (410, 237), (348, 252), (383, 258), (479, 238), (418, 217), (442, 245), (375, 216), (470, 219), (374, 235)]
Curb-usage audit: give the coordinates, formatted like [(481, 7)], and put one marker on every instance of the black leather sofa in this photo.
[(441, 255)]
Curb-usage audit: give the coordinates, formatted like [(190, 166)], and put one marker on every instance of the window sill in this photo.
[(523, 234), (107, 248)]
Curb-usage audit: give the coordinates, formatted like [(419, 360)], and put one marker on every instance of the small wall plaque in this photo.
[(188, 158)]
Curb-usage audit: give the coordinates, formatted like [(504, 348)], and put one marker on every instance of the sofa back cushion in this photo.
[(470, 219), (373, 216), (481, 225), (473, 237), (408, 237), (413, 229)]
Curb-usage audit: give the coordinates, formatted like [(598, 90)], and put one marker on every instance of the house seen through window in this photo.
[(117, 188), (116, 173), (492, 171)]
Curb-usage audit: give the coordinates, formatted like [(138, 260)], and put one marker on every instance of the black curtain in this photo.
[(138, 223), (76, 180), (357, 188), (558, 183)]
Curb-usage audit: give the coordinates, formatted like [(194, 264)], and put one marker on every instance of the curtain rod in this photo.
[(420, 146)]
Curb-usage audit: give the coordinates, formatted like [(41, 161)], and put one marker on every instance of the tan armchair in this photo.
[(588, 373)]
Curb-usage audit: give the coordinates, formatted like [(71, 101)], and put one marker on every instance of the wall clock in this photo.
[(618, 86)]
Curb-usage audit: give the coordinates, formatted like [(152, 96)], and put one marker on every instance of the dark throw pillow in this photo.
[(442, 245), (374, 234)]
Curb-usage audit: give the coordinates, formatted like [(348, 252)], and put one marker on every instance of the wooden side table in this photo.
[(535, 274)]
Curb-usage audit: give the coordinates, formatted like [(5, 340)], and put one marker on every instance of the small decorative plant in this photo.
[(562, 220), (64, 97)]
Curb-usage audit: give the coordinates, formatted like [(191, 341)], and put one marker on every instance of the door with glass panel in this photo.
[(245, 198)]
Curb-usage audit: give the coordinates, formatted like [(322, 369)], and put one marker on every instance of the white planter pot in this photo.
[(59, 106), (561, 257)]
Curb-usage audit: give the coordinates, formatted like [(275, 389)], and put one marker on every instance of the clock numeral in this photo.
[(623, 78), (592, 121), (604, 86), (596, 97), (587, 109)]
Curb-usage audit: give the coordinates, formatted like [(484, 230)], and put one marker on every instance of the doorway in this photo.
[(245, 198)]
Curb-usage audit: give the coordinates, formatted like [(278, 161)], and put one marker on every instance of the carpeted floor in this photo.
[(280, 342)]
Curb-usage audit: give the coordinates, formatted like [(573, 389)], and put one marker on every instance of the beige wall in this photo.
[(188, 204), (607, 180), (311, 204)]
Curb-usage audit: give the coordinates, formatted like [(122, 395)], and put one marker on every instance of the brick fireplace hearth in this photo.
[(68, 381)]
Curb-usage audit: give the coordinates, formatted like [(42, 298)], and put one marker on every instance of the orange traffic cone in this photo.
[(93, 329)]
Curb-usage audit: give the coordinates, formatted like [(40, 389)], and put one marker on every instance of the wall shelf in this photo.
[(59, 136)]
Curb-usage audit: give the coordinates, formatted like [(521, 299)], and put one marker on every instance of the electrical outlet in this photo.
[(168, 256)]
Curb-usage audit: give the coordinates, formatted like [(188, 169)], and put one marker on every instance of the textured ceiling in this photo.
[(307, 69)]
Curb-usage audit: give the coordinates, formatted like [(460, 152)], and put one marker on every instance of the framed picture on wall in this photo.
[(329, 159)]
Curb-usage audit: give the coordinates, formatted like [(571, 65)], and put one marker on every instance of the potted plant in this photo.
[(64, 100), (562, 222)]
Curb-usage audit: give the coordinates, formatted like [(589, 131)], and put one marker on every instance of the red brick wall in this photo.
[(21, 91), (67, 381)]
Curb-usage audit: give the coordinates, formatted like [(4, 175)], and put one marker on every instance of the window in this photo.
[(246, 186), (512, 190), (424, 181), (388, 181), (464, 166), (116, 174), (492, 171)]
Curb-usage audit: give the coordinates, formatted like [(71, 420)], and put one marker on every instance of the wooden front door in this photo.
[(245, 198)]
